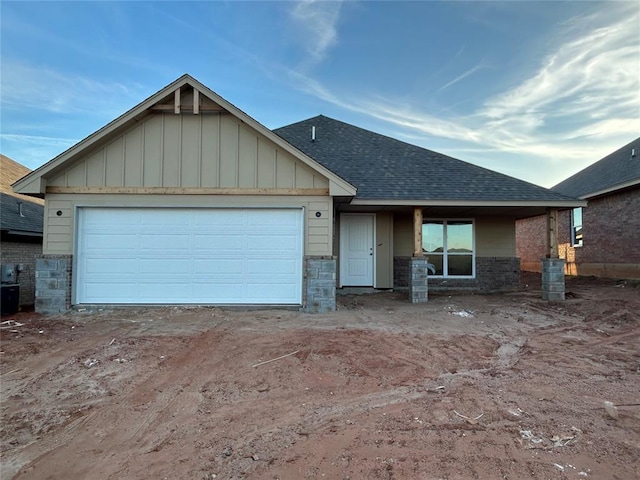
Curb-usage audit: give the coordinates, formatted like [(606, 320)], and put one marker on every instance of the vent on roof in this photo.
[(313, 134), (20, 209), (633, 152)]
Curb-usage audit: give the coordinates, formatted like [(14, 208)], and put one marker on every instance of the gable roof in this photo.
[(10, 172), (20, 214), (389, 171), (618, 170), (35, 182)]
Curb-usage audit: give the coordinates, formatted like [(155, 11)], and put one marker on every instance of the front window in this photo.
[(576, 227), (449, 246)]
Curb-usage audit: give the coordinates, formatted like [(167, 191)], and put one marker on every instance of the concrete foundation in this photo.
[(320, 284), (553, 279), (418, 289)]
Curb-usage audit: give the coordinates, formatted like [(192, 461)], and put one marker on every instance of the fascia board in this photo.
[(615, 188), (470, 203)]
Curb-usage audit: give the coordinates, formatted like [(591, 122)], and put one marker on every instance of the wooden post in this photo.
[(196, 102), (552, 233), (417, 232), (176, 102)]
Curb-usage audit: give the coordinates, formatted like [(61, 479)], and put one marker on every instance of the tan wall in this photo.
[(58, 229), (207, 150), (384, 250), (495, 236)]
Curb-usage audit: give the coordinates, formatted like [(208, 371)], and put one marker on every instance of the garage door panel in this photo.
[(270, 242), (106, 240), (220, 266), (221, 241), (260, 291), (113, 266), (160, 292), (269, 267), (165, 241), (186, 255), (94, 292), (285, 218), (154, 266), (162, 217)]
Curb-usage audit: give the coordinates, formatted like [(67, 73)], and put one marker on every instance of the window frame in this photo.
[(445, 254), (575, 241)]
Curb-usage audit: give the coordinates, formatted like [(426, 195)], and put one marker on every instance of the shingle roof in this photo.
[(30, 222), (385, 168), (25, 219), (616, 169)]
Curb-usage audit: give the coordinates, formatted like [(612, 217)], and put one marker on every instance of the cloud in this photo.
[(40, 88), (460, 77), (577, 103), (316, 21), (32, 150), (595, 71)]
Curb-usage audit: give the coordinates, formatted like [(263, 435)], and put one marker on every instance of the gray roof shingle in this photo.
[(29, 223), (384, 168), (616, 169)]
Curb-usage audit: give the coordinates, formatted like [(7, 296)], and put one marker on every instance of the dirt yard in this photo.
[(464, 387)]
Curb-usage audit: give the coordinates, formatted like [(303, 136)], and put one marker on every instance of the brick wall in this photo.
[(24, 252), (493, 274), (611, 226), (611, 245)]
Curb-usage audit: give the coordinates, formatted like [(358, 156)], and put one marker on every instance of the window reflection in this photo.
[(448, 245)]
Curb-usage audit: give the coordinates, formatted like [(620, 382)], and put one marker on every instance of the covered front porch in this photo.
[(432, 247)]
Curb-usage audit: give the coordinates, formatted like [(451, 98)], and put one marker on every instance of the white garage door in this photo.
[(189, 255)]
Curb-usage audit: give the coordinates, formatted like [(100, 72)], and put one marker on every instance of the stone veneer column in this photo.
[(320, 284), (53, 284), (418, 272), (553, 279)]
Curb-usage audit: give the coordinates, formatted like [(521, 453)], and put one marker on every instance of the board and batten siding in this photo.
[(495, 236), (198, 151), (60, 214)]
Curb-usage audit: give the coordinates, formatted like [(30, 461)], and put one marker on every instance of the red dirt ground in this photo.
[(464, 387)]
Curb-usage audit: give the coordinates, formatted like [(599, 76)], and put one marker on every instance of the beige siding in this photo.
[(402, 235), (58, 229), (384, 250), (319, 229), (495, 236), (207, 150)]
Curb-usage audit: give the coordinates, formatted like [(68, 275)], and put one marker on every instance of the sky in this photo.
[(534, 89)]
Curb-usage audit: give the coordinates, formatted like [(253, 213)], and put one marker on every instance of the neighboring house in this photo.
[(186, 199), (21, 229), (600, 239)]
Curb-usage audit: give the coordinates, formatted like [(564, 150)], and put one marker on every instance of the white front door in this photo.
[(356, 250)]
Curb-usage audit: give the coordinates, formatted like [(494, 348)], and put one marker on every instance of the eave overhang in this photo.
[(614, 189)]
